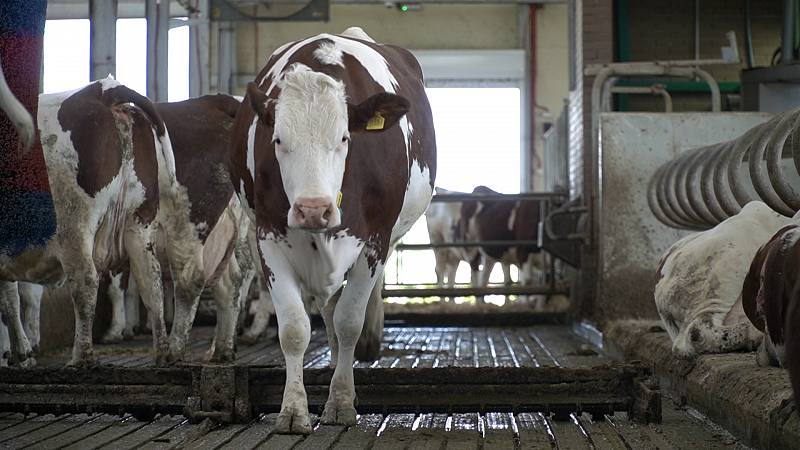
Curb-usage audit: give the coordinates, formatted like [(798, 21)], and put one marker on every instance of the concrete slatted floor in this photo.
[(544, 345)]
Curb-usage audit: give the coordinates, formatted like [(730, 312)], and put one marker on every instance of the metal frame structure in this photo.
[(547, 206)]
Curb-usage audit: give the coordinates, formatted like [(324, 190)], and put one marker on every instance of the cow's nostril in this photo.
[(327, 214)]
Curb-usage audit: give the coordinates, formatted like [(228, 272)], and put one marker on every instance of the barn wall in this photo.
[(666, 30), (633, 146), (552, 74), (436, 27)]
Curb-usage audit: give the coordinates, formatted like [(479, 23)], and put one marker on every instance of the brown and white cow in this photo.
[(503, 220), (699, 283), (767, 290), (104, 157), (201, 223), (334, 150)]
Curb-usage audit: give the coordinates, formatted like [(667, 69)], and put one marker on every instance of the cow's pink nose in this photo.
[(313, 213)]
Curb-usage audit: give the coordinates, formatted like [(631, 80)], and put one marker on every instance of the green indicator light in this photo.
[(404, 7)]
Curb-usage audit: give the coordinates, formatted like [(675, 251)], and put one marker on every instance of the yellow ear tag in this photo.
[(339, 200), (376, 122)]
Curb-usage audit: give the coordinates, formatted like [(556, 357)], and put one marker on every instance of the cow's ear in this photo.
[(258, 101), (377, 113)]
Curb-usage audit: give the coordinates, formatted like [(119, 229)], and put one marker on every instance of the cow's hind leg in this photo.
[(349, 321), (189, 279), (21, 351), (140, 243), (227, 296), (368, 347), (116, 296), (30, 296)]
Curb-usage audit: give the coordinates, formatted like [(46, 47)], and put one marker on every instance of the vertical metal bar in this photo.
[(225, 55), (787, 33), (103, 40), (198, 51), (157, 14)]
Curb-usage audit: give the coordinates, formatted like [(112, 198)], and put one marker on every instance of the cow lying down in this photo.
[(699, 283), (768, 289)]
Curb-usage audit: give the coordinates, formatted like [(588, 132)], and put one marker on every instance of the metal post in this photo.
[(103, 41), (787, 34), (198, 51), (225, 52), (157, 14)]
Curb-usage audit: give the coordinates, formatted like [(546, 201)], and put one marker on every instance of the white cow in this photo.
[(699, 283), (444, 227)]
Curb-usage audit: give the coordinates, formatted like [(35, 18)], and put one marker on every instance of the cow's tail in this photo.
[(115, 93), (368, 347)]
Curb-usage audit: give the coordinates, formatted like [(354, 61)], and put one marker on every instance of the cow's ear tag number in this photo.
[(376, 122)]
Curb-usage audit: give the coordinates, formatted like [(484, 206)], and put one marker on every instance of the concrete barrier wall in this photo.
[(633, 146)]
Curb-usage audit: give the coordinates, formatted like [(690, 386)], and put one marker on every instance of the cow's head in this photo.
[(313, 126)]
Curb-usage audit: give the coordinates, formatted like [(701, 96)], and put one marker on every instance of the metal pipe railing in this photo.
[(702, 187)]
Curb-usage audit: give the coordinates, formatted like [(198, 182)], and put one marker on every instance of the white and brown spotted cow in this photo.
[(334, 150), (202, 222), (504, 220), (699, 283), (104, 157)]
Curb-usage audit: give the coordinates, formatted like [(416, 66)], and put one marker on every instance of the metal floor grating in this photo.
[(402, 347)]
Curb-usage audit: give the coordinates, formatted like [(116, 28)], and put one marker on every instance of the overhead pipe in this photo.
[(702, 187)]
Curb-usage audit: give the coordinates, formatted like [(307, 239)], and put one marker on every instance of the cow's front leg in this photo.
[(294, 328), (349, 320), (21, 351)]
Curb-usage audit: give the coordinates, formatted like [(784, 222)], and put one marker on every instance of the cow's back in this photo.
[(200, 130)]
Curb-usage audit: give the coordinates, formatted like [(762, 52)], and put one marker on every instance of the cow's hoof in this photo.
[(165, 358), (338, 415), (28, 362), (83, 362), (247, 339), (289, 423), (367, 350), (221, 357), (111, 338)]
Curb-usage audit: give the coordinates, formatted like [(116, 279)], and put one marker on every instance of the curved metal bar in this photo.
[(661, 197), (774, 169), (796, 153), (652, 199), (693, 190), (760, 182), (735, 157), (680, 185), (716, 103), (670, 186), (707, 183), (721, 182)]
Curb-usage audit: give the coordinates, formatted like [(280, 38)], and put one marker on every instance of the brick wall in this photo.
[(666, 30)]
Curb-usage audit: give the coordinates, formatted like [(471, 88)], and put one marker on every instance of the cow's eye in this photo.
[(276, 141), (345, 138)]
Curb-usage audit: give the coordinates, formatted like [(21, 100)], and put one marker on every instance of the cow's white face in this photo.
[(312, 123), (311, 143)]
